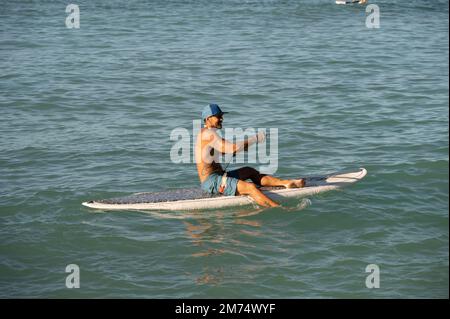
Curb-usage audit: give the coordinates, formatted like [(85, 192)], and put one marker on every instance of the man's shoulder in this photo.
[(206, 129), (207, 133)]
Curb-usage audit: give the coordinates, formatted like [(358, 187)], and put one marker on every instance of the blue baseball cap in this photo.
[(211, 110)]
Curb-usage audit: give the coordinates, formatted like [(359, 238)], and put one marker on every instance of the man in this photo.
[(214, 179)]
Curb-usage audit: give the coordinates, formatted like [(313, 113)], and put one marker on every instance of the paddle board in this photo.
[(195, 198)]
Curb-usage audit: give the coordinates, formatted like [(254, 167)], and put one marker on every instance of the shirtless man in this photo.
[(209, 146)]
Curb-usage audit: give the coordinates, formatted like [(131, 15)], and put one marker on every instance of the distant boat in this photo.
[(350, 1)]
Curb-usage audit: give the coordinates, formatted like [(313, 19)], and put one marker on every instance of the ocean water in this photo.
[(87, 113)]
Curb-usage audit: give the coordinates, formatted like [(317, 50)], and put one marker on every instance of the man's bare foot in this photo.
[(295, 183)]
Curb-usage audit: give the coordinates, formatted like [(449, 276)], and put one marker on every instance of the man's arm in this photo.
[(223, 146)]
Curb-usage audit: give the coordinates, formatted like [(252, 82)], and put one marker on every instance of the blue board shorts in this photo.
[(212, 183)]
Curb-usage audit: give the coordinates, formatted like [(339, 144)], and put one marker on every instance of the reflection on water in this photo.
[(225, 234), (222, 229), (209, 252), (223, 237), (253, 223), (211, 276)]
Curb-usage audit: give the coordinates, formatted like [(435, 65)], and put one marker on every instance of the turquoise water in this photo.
[(87, 113)]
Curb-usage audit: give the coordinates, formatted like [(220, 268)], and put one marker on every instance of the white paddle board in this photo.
[(195, 198)]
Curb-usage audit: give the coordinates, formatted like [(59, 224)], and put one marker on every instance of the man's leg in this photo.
[(267, 180), (245, 188)]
